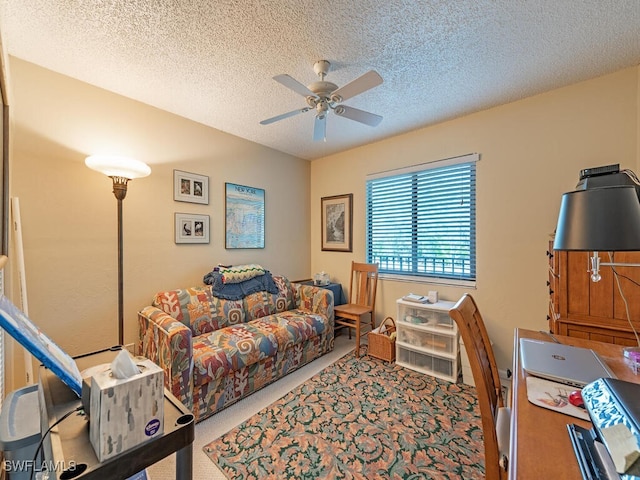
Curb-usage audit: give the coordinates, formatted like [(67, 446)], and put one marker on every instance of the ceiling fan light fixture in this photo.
[(323, 96), (322, 109)]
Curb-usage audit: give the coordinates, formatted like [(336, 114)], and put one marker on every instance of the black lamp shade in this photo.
[(602, 219)]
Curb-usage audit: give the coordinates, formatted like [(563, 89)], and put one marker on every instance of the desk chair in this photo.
[(362, 301), (495, 416)]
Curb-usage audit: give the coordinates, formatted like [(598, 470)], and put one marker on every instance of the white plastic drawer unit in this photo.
[(426, 315), (436, 342), (428, 339), (431, 365)]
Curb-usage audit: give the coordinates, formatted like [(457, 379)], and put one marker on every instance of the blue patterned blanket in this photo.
[(237, 291)]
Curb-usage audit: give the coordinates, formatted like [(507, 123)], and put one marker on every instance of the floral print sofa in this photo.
[(216, 351)]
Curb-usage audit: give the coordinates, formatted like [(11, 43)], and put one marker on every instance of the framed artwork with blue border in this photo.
[(244, 216)]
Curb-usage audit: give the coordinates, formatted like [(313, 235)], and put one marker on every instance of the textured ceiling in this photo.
[(213, 61)]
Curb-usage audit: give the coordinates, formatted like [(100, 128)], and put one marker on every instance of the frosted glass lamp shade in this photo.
[(115, 166)]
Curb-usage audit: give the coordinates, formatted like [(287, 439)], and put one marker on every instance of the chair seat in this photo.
[(351, 309)]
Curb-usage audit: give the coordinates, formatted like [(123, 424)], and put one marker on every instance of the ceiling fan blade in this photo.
[(294, 85), (284, 115), (356, 87), (358, 115), (320, 128)]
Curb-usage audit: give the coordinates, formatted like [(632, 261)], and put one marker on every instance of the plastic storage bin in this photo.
[(427, 339), (20, 431)]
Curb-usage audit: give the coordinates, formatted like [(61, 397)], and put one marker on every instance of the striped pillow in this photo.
[(240, 273)]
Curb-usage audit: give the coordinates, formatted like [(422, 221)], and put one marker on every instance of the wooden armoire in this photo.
[(581, 308)]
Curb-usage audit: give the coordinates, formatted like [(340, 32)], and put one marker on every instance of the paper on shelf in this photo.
[(416, 298)]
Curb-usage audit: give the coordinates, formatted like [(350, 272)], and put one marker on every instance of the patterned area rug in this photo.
[(359, 419)]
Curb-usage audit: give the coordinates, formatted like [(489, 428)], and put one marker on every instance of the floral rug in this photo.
[(359, 419)]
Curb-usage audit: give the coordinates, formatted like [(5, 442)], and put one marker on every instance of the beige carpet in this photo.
[(222, 422)]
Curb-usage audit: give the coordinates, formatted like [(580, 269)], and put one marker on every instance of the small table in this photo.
[(68, 445), (336, 288)]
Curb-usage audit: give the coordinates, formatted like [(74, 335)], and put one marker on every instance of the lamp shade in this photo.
[(600, 219), (115, 166)]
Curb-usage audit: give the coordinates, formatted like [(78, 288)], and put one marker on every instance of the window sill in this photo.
[(428, 280)]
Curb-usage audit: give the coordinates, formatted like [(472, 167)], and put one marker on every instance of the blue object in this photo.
[(22, 329), (237, 291)]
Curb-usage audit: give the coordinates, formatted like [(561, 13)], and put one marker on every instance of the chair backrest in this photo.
[(485, 375), (364, 283)]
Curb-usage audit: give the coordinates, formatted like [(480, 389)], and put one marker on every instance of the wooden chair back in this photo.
[(486, 377), (364, 284)]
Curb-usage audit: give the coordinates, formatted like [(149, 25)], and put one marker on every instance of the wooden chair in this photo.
[(495, 416), (362, 301)]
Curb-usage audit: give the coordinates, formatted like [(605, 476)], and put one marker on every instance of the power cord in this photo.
[(626, 277), (624, 299), (631, 174), (40, 444)]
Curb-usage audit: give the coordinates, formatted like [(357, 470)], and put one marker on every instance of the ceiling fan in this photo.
[(323, 96)]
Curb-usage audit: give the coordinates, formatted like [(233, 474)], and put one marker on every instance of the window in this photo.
[(421, 220)]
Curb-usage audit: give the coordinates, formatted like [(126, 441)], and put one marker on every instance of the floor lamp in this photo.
[(120, 170)]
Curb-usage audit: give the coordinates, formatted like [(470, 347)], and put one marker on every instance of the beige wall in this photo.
[(531, 152), (69, 212)]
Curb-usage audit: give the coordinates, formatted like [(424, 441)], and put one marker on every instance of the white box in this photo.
[(125, 412)]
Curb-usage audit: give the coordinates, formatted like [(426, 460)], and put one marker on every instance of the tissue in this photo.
[(123, 366), (126, 406)]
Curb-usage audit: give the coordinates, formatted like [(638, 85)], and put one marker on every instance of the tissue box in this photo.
[(124, 413)]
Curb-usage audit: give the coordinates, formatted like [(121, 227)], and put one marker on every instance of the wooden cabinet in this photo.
[(428, 339), (581, 308)]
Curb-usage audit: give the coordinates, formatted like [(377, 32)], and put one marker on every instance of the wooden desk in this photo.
[(540, 445)]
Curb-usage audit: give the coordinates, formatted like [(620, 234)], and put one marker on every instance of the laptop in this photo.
[(560, 363)]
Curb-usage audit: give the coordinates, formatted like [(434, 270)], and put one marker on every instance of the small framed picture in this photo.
[(191, 228), (337, 225), (190, 187)]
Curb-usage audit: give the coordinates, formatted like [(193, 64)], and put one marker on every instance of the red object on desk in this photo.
[(575, 399)]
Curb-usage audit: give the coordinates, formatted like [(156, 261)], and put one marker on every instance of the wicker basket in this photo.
[(380, 344)]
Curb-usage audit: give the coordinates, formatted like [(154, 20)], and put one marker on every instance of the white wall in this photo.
[(531, 152), (69, 212)]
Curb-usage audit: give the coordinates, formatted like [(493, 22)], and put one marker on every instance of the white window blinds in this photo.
[(421, 221)]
